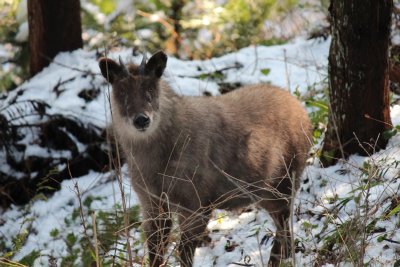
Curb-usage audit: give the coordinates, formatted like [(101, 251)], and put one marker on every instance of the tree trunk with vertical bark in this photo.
[(358, 78), (175, 14), (54, 26)]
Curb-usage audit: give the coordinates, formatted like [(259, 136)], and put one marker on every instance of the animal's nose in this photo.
[(141, 121)]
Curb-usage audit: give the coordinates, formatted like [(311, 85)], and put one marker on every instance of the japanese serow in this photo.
[(188, 155)]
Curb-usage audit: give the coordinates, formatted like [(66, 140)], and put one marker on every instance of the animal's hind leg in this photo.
[(279, 210)]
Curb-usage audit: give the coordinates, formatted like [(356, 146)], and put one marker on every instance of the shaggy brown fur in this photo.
[(200, 153)]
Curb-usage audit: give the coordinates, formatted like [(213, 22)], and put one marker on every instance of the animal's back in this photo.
[(279, 128), (256, 134), (272, 121)]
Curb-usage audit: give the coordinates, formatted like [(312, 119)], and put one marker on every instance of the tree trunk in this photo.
[(358, 78), (175, 14), (54, 26)]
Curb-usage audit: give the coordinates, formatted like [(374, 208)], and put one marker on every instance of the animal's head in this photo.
[(135, 95)]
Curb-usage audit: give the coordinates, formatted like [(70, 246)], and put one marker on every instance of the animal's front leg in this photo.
[(157, 226), (192, 226)]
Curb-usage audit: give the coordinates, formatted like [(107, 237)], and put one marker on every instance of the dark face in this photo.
[(135, 96), (136, 100)]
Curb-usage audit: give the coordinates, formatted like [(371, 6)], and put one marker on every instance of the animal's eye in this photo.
[(150, 90), (148, 96)]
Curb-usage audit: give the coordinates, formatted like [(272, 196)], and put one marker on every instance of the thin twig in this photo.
[(87, 72), (96, 245), (286, 71), (81, 214), (293, 195), (120, 184)]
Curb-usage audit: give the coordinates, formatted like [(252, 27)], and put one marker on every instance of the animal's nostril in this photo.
[(141, 121)]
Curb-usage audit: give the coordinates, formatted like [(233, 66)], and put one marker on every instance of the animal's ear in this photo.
[(156, 64), (111, 70)]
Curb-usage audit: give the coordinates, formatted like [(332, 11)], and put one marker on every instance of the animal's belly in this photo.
[(234, 202)]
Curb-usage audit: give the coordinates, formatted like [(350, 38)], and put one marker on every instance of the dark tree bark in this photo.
[(54, 26), (358, 77), (174, 43)]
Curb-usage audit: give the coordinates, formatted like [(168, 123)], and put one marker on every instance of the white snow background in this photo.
[(297, 66)]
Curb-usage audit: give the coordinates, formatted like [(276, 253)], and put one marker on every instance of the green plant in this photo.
[(353, 218), (318, 115), (13, 66), (8, 22), (392, 132), (19, 239)]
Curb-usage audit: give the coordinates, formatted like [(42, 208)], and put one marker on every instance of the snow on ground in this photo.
[(237, 238)]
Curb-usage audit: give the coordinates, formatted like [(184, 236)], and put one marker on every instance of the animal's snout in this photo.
[(141, 121)]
